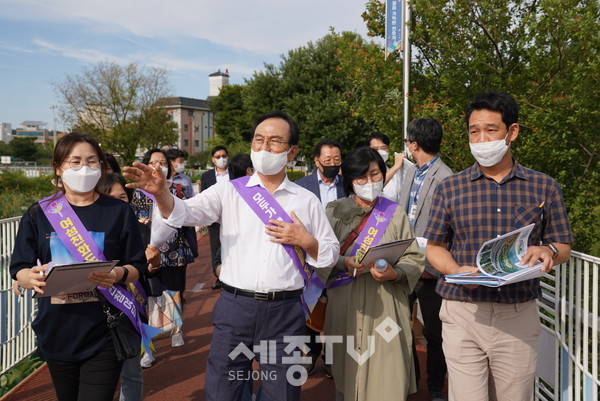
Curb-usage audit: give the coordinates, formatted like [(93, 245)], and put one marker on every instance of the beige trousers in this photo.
[(490, 349)]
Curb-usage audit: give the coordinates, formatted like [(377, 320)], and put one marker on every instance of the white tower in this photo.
[(216, 81)]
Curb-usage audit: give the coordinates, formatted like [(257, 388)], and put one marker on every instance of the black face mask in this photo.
[(330, 171)]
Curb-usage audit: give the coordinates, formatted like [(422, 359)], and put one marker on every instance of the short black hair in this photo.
[(294, 133), (427, 133), (357, 163), (239, 164), (107, 181), (377, 135), (217, 148), (148, 155), (327, 142), (175, 153), (112, 162), (499, 101)]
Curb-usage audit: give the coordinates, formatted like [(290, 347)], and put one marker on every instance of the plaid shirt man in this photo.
[(469, 208)]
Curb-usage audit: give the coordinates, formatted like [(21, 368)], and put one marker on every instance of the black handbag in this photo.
[(122, 347)]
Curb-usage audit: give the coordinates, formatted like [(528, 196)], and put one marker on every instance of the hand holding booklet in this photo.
[(499, 260), (72, 278)]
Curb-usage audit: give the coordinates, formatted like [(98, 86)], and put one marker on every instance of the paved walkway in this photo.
[(178, 373)]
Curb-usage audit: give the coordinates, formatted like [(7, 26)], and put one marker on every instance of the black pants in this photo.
[(93, 379), (430, 303)]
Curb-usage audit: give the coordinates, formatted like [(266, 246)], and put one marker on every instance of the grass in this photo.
[(19, 372)]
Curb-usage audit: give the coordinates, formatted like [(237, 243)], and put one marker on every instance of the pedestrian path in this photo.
[(178, 373)]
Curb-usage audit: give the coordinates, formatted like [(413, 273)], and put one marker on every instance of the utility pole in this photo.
[(53, 107)]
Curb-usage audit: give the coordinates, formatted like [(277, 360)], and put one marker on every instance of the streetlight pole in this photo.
[(53, 107)]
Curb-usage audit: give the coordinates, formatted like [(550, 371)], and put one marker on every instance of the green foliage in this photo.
[(17, 192), (18, 373), (294, 175)]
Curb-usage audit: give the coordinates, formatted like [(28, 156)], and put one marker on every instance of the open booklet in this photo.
[(498, 261)]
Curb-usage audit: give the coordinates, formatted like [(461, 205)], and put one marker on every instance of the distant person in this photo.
[(175, 254), (325, 181), (72, 330), (363, 302), (263, 277), (112, 165), (241, 165), (490, 335), (221, 173), (177, 158), (328, 185), (393, 177), (423, 141)]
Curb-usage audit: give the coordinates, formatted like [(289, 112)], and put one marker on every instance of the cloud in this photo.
[(261, 26)]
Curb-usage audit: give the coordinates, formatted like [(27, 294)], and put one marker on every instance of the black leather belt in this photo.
[(264, 296)]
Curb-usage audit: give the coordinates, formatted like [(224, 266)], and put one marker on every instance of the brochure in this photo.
[(499, 260), (72, 278)]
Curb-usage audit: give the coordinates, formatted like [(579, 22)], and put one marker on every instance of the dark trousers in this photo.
[(315, 347), (430, 303), (260, 326), (93, 379), (214, 233)]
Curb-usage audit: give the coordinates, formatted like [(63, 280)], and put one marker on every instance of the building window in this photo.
[(185, 128), (185, 143), (196, 128), (197, 143), (190, 113)]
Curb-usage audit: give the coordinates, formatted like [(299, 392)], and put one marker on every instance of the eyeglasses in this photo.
[(77, 164), (160, 163), (272, 143), (375, 177)]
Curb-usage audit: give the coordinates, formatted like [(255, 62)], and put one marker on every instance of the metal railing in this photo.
[(17, 340), (568, 365)]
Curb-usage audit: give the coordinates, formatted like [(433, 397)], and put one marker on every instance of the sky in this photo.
[(43, 41)]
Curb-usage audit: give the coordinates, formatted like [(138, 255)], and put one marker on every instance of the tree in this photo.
[(119, 106), (308, 85), (544, 52)]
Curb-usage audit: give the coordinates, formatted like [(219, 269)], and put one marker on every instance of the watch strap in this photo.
[(552, 248)]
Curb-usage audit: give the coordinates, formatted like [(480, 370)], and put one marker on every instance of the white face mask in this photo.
[(222, 162), (179, 169), (268, 163), (489, 153), (384, 155), (82, 180), (369, 191), (165, 171)]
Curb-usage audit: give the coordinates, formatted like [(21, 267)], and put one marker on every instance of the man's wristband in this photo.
[(125, 274)]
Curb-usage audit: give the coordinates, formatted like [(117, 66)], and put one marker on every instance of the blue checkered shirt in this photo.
[(416, 188), (469, 208)]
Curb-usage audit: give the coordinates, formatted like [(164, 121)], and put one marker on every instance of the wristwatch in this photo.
[(125, 274), (553, 249)]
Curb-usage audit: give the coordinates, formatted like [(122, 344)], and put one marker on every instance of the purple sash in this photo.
[(369, 236), (267, 208), (80, 244)]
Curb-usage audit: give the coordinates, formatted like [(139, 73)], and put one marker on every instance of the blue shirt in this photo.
[(328, 192), (416, 188)]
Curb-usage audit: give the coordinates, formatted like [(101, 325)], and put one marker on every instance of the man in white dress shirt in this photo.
[(255, 264)]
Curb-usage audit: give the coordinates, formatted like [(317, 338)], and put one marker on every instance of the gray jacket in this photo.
[(437, 172)]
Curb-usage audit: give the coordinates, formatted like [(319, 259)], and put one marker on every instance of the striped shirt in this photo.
[(469, 208)]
